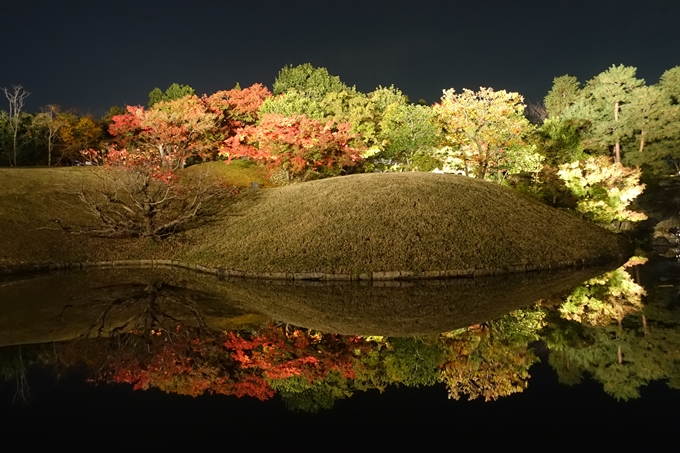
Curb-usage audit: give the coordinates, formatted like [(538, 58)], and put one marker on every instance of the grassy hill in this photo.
[(397, 222), (355, 224)]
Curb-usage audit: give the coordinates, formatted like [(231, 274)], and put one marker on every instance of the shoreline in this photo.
[(310, 276)]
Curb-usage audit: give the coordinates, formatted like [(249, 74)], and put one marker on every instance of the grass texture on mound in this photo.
[(397, 222)]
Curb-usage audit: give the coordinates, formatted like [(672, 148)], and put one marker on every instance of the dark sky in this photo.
[(90, 55)]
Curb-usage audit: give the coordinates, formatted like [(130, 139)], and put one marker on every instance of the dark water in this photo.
[(155, 358)]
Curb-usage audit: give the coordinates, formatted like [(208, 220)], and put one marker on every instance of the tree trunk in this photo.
[(617, 146), (620, 356), (14, 144), (642, 141)]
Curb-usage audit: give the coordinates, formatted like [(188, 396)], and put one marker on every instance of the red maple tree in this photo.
[(296, 145)]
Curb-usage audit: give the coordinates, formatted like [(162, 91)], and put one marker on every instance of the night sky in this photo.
[(90, 55)]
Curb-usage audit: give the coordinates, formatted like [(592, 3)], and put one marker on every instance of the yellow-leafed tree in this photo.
[(486, 130)]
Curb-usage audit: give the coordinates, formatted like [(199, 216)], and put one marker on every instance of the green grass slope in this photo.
[(396, 222)]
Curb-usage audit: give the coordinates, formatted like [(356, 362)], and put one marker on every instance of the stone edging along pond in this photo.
[(316, 276)]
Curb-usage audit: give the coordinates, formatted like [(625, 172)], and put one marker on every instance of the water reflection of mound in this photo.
[(54, 307), (66, 305), (404, 308)]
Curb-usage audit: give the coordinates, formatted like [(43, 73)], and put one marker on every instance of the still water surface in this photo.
[(183, 355)]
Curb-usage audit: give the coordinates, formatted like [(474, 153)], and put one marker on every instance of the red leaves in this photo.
[(296, 144), (161, 139), (277, 354), (233, 364), (239, 105)]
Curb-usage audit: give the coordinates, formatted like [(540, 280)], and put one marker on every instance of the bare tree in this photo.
[(129, 203), (16, 99), (50, 119)]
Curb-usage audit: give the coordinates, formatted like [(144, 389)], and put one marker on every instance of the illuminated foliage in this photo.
[(299, 147), (486, 130), (311, 82), (564, 92), (481, 365), (174, 92), (492, 360), (604, 189), (238, 107), (604, 299), (411, 136), (163, 137)]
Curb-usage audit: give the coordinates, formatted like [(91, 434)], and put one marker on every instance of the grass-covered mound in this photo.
[(36, 202), (397, 222), (32, 200)]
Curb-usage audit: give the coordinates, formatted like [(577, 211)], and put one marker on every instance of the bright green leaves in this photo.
[(311, 82), (411, 136), (603, 300)]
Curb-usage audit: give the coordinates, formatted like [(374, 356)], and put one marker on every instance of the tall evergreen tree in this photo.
[(565, 92), (601, 102)]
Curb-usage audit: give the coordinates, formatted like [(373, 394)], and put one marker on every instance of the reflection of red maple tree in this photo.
[(279, 355), (232, 364)]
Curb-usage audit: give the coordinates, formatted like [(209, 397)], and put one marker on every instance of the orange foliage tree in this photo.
[(298, 146)]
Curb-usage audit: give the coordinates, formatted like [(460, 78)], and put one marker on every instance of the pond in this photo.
[(165, 356)]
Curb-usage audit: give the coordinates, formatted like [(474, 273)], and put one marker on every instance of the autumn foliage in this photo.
[(241, 364), (161, 139), (298, 146)]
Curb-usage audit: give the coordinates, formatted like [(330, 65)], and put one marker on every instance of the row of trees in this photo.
[(586, 149), (49, 137)]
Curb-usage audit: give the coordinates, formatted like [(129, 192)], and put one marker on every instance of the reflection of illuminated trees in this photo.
[(413, 362), (603, 299), (606, 334), (294, 362), (493, 359), (181, 363), (623, 358), (311, 370), (190, 362)]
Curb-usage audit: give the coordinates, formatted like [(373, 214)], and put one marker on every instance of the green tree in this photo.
[(299, 394), (559, 141), (486, 130), (411, 136), (670, 84), (565, 92), (656, 122), (174, 91), (601, 103), (413, 362), (311, 82), (292, 103)]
